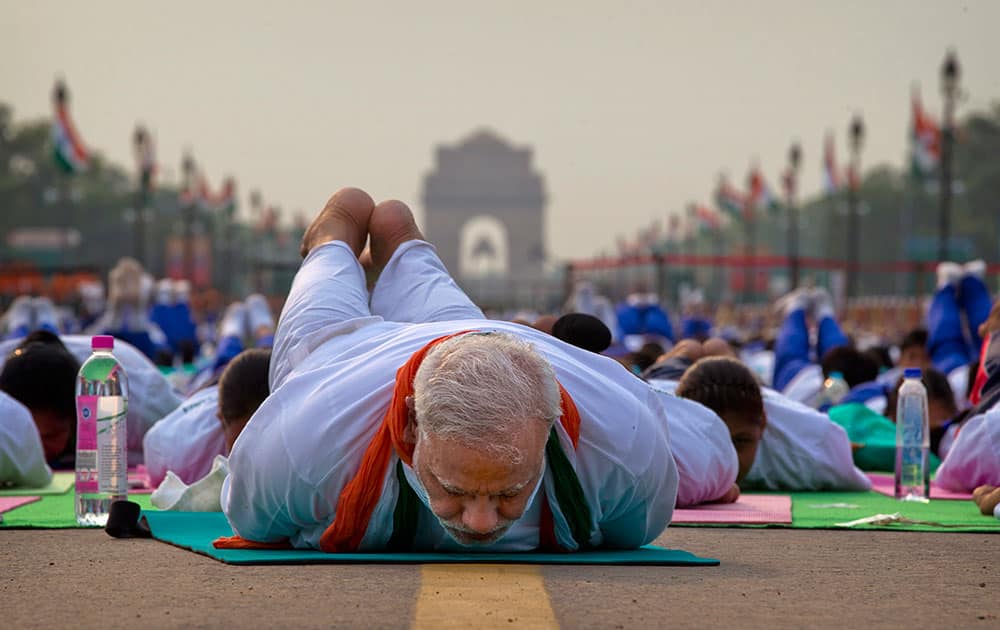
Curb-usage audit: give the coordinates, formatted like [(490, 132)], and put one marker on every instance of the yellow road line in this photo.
[(482, 596)]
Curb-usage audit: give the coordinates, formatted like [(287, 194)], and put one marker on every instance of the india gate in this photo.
[(484, 209)]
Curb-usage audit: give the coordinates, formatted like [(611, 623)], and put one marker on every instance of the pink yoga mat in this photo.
[(138, 480), (750, 509), (886, 484), (9, 503)]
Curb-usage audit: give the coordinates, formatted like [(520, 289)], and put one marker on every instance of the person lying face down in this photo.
[(730, 389), (401, 418), (40, 373), (188, 439), (242, 388)]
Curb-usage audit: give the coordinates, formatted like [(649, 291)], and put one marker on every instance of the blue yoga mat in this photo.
[(196, 531)]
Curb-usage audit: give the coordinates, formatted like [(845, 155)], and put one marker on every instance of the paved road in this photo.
[(768, 578)]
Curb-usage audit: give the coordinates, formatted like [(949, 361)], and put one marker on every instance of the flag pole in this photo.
[(791, 181), (749, 221)]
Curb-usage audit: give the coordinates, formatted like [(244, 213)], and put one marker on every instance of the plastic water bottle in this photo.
[(913, 439), (835, 388), (101, 449)]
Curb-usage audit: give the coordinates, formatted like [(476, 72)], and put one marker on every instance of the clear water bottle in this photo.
[(101, 449), (913, 439), (835, 389)]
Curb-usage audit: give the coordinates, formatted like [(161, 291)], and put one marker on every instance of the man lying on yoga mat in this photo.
[(782, 444), (404, 419)]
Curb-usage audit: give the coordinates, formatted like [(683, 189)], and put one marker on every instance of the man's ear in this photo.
[(410, 432), (763, 422)]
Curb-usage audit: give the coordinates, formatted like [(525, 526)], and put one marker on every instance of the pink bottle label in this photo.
[(86, 444)]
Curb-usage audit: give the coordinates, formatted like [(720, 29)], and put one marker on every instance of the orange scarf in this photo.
[(361, 494)]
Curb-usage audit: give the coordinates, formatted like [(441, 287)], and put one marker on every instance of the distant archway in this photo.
[(485, 177), (483, 247)]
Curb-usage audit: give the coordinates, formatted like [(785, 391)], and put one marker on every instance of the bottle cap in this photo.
[(839, 375), (102, 342), (912, 373)]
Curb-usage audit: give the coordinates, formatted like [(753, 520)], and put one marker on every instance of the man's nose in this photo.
[(480, 515)]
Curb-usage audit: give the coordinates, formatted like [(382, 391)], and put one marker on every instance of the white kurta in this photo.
[(22, 458), (187, 440), (802, 449), (150, 395), (974, 458), (332, 374), (707, 465)]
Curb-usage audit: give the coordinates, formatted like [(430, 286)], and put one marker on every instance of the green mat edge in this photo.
[(676, 557)]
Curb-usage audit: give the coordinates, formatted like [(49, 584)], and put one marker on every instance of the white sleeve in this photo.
[(22, 459), (187, 441), (329, 297), (703, 449), (625, 465), (974, 459), (263, 497), (802, 449)]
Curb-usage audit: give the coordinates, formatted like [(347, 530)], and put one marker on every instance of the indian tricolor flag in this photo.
[(68, 149), (729, 199), (925, 138), (831, 178), (760, 193), (706, 218)]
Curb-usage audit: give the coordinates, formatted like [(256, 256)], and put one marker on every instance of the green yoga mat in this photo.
[(61, 482), (54, 512), (823, 510), (196, 531)]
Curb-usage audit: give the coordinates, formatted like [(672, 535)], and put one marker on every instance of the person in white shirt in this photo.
[(379, 434), (782, 444), (22, 459), (45, 367), (206, 425), (974, 458)]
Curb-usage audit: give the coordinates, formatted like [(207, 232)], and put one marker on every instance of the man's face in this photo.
[(746, 431), (54, 430), (476, 495)]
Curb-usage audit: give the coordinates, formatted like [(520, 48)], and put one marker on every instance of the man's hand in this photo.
[(987, 498), (992, 324)]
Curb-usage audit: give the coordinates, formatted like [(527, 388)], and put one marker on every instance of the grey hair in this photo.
[(479, 388)]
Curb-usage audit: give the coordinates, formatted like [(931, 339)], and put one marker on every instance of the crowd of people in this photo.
[(384, 410)]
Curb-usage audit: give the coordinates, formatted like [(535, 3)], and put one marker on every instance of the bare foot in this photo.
[(345, 218), (391, 224)]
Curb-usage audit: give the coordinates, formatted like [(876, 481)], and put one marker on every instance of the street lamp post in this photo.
[(791, 181), (140, 141), (750, 239), (856, 136), (256, 208), (950, 73), (188, 174)]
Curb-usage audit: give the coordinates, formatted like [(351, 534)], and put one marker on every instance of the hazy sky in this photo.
[(633, 108)]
